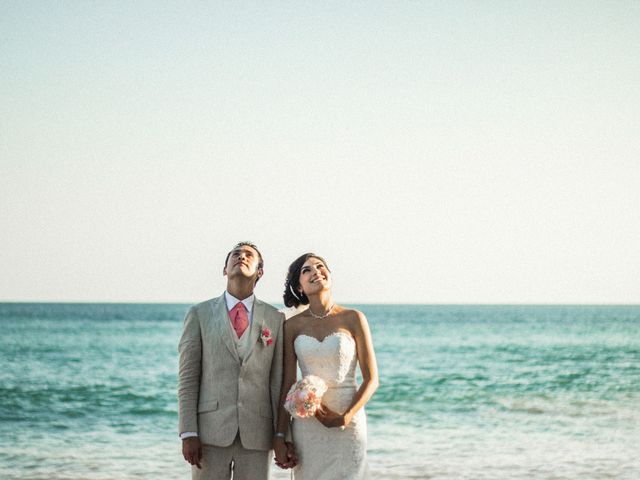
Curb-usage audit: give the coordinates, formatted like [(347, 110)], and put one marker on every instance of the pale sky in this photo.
[(432, 152)]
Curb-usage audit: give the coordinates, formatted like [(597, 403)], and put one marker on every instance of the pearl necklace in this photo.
[(321, 316)]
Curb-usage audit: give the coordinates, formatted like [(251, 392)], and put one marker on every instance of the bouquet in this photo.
[(305, 396)]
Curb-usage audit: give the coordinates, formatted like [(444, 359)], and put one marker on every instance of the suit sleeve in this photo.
[(190, 350), (276, 370)]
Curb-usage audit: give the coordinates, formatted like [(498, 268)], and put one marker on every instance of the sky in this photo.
[(432, 152)]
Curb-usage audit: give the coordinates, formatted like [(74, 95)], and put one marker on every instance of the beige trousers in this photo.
[(219, 463)]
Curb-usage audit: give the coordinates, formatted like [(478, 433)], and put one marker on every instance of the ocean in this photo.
[(88, 392)]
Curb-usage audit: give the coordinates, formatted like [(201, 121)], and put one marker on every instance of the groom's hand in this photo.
[(292, 455), (192, 450), (285, 453)]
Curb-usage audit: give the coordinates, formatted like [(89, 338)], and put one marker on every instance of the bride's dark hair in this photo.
[(293, 296)]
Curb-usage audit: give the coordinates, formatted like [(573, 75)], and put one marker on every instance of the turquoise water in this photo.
[(87, 391)]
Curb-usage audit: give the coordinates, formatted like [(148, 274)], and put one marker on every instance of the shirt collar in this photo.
[(233, 301)]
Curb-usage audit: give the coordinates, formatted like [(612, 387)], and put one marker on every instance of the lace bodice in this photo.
[(333, 359)]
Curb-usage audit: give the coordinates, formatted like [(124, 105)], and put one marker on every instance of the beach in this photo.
[(88, 391)]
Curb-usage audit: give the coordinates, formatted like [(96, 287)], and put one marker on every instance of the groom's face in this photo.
[(243, 261)]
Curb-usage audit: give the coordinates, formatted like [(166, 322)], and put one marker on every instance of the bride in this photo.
[(325, 340)]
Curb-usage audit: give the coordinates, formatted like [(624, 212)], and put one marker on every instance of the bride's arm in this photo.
[(369, 369), (288, 379)]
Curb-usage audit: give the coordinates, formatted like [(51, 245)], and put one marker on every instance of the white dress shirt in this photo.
[(233, 301)]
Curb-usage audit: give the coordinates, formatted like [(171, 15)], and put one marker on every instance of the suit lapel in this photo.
[(256, 326), (220, 316)]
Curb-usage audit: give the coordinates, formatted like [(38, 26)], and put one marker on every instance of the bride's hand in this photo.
[(331, 419)]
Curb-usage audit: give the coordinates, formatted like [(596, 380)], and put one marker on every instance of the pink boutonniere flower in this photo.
[(265, 336)]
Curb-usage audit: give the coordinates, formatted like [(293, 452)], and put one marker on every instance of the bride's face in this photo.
[(314, 276)]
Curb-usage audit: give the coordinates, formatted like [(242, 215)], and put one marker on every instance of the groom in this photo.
[(230, 376)]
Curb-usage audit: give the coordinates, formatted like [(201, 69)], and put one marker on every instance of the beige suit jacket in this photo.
[(218, 395)]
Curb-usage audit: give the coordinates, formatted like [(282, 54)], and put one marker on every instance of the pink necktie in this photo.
[(239, 319)]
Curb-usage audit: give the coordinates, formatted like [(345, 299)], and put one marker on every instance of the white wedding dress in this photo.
[(330, 453)]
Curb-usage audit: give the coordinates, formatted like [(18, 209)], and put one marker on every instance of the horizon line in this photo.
[(146, 302)]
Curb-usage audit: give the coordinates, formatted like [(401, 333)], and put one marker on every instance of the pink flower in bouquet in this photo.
[(305, 396)]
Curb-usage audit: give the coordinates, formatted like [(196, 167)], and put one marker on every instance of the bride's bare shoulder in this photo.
[(293, 323), (352, 315), (353, 320)]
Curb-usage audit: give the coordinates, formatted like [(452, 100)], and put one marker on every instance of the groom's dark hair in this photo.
[(245, 244)]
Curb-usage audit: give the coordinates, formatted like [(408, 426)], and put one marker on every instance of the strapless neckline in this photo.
[(332, 334)]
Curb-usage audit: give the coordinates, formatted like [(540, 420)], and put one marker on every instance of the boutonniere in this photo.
[(265, 336)]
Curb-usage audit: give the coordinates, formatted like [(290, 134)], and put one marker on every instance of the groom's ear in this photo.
[(224, 271), (259, 273)]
